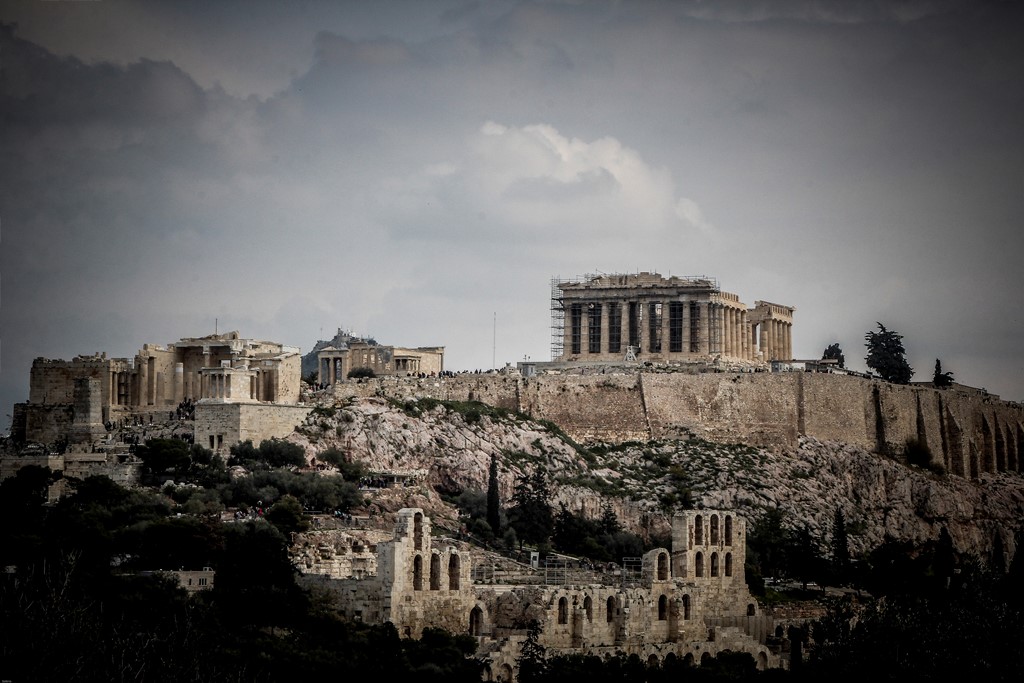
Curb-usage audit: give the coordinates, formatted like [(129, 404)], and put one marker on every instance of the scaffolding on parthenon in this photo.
[(558, 313)]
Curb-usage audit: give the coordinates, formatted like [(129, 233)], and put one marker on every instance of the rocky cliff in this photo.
[(445, 447)]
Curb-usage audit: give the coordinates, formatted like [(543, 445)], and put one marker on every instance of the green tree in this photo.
[(886, 355), (940, 378), (834, 352), (161, 456), (840, 548), (767, 542), (357, 373), (493, 499), (287, 515), (532, 660), (531, 514)]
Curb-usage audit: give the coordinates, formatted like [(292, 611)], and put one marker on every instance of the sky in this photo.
[(420, 171)]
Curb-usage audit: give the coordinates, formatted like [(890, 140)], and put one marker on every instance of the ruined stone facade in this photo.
[(652, 318), (689, 602), (241, 388), (335, 362)]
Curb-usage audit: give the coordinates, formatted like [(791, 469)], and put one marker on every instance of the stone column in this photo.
[(704, 327), (789, 341), (624, 327), (729, 329), (666, 327), (685, 321), (643, 310), (605, 331), (179, 383)]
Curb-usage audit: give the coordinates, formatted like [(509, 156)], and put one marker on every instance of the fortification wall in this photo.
[(967, 431)]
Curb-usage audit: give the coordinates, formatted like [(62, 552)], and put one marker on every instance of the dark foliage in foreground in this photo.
[(76, 605)]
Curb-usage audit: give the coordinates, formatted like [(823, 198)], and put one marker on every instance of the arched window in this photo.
[(417, 573), (662, 608), (728, 529), (662, 567), (698, 562), (698, 530), (728, 564), (453, 572), (751, 610), (417, 531), (610, 610), (714, 564), (714, 529), (588, 607), (563, 611), (435, 572), (476, 622), (686, 607)]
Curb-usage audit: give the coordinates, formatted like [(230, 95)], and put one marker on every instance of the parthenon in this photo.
[(649, 317)]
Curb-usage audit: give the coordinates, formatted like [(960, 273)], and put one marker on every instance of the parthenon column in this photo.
[(789, 341), (686, 326), (624, 327), (666, 332), (605, 318), (705, 327)]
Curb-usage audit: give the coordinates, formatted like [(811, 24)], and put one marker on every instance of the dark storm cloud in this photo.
[(411, 169)]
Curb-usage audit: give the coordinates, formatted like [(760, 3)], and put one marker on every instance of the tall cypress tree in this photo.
[(840, 547), (493, 499)]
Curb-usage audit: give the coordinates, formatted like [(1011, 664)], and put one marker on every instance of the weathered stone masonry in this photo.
[(968, 432), (617, 317), (688, 603)]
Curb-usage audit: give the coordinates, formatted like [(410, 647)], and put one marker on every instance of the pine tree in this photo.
[(532, 660), (940, 378), (834, 352), (886, 355), (531, 513)]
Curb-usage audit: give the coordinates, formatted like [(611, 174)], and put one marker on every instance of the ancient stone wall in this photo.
[(218, 426), (966, 431)]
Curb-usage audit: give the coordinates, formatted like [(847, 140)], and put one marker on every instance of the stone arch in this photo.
[(698, 530), (698, 562), (728, 529), (652, 661), (662, 607), (714, 529), (453, 572), (417, 531), (714, 564), (686, 607), (688, 659), (563, 610), (779, 632), (476, 621), (662, 566), (974, 461), (505, 674), (417, 573), (588, 608), (762, 661), (705, 658), (610, 609), (435, 572), (751, 609), (728, 564)]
